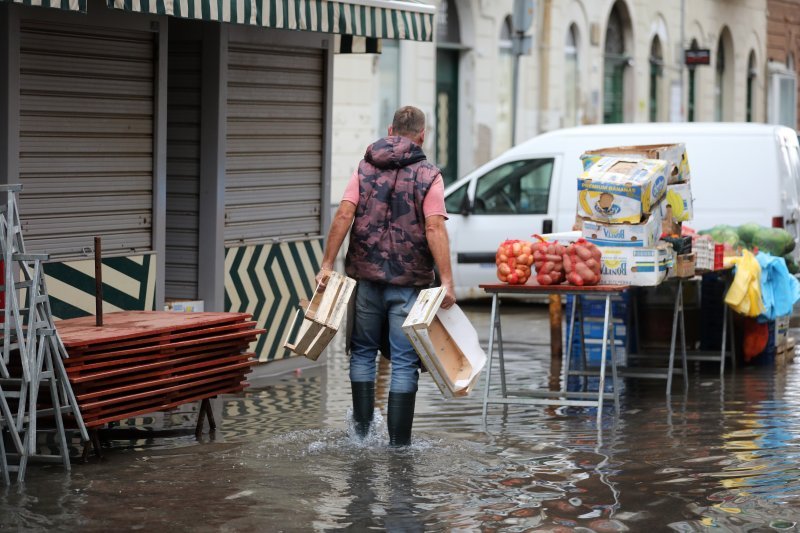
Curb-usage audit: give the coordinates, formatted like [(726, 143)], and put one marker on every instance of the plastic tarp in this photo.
[(744, 295), (780, 290)]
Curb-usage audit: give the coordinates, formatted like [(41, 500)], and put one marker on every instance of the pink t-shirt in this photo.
[(433, 204)]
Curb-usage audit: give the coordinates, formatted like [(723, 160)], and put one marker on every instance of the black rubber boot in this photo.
[(363, 405), (400, 417)]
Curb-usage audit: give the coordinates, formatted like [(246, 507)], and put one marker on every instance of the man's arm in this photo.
[(339, 228), (439, 245)]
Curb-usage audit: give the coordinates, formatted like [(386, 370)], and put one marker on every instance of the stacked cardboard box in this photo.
[(628, 198)]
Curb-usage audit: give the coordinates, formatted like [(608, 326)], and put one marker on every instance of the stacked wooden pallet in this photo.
[(145, 361), (785, 351)]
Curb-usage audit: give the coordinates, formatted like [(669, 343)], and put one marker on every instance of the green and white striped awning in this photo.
[(69, 5), (376, 19)]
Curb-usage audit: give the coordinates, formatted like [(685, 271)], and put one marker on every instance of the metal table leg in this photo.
[(614, 376), (501, 358), (490, 356), (570, 336), (678, 323), (724, 338), (602, 385)]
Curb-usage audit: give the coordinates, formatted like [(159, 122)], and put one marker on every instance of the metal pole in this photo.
[(98, 282), (514, 92), (681, 61)]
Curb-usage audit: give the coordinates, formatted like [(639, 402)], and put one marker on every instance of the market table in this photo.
[(676, 342), (727, 342), (547, 397)]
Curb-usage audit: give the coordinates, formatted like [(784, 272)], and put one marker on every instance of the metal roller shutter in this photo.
[(86, 138), (183, 169), (274, 146)]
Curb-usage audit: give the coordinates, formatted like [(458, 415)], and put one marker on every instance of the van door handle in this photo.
[(547, 226)]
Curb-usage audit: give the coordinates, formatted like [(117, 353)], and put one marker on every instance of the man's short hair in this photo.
[(408, 121)]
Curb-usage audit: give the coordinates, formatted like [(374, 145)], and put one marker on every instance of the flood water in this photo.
[(725, 456)]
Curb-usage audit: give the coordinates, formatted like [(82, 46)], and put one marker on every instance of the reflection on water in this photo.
[(723, 457)]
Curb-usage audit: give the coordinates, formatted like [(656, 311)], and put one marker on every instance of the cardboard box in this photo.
[(617, 191), (322, 316), (644, 234), (683, 266), (679, 200), (781, 329), (703, 248), (673, 154), (185, 306), (446, 342), (635, 266)]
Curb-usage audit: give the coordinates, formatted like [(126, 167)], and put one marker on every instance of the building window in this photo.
[(656, 75), (447, 28), (572, 78), (448, 36), (751, 85), (719, 77), (505, 76), (615, 62)]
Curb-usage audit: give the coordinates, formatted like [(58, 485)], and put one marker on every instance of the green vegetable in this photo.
[(725, 234), (747, 232), (791, 264), (775, 241)]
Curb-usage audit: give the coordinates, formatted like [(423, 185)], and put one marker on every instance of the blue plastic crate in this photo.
[(596, 307), (594, 330), (594, 354)]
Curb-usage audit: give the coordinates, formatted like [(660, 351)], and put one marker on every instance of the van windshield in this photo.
[(517, 187)]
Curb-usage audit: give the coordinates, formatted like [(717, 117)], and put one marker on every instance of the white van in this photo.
[(740, 173)]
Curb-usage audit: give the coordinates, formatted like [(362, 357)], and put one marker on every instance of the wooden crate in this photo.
[(446, 342), (322, 317), (784, 352)]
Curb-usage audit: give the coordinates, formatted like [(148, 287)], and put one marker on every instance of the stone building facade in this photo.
[(783, 62), (589, 62)]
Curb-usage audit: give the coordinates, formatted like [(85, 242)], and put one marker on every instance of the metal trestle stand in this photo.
[(32, 356)]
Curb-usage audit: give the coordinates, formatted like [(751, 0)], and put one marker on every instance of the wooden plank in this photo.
[(199, 395), (174, 383), (143, 379), (160, 339), (133, 371), (129, 324), (154, 403), (127, 363), (173, 347)]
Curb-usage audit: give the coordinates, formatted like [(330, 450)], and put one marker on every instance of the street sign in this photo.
[(699, 56), (522, 15)]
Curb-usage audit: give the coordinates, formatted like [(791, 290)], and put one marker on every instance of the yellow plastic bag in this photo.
[(744, 295)]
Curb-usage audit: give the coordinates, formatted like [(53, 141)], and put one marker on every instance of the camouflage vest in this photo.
[(387, 241)]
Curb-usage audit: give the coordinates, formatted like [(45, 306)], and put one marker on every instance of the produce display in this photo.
[(548, 261), (582, 263), (514, 259), (751, 236)]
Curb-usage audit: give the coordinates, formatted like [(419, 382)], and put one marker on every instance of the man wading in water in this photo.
[(395, 205)]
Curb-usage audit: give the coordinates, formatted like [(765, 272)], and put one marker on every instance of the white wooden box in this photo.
[(446, 342), (322, 317)]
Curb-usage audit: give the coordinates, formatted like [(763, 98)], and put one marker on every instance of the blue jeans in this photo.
[(375, 303)]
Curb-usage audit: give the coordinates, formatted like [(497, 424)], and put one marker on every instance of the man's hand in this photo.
[(322, 278), (449, 296)]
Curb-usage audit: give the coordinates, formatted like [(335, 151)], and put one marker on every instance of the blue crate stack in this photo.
[(594, 310)]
